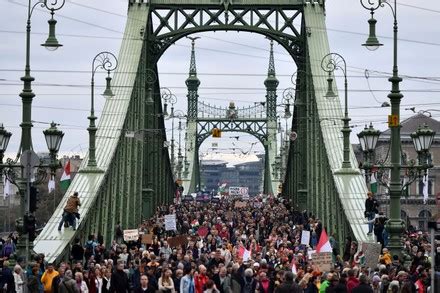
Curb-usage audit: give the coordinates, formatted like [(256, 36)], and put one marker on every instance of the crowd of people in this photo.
[(253, 247)]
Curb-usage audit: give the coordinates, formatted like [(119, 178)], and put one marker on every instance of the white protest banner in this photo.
[(170, 222), (372, 253), (131, 235), (322, 260), (305, 237)]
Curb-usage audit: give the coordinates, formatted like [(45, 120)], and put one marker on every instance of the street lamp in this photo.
[(395, 225), (330, 63), (288, 99), (28, 156), (422, 140), (5, 136), (19, 174), (106, 61)]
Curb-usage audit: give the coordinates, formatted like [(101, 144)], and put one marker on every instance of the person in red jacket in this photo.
[(352, 281), (200, 279)]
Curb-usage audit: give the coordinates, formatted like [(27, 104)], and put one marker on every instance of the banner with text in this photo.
[(170, 222), (131, 235)]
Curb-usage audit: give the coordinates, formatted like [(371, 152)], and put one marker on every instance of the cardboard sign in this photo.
[(323, 261), (177, 241), (202, 232), (305, 237), (147, 238), (170, 222), (188, 198), (240, 204), (372, 253), (131, 235)]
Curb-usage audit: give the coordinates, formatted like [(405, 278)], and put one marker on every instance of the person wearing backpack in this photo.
[(90, 247), (68, 284)]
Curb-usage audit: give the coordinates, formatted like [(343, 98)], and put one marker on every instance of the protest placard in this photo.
[(177, 240), (372, 253), (147, 238), (322, 260), (170, 222), (305, 237), (240, 204), (131, 235)]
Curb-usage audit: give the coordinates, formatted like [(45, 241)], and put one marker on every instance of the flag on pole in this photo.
[(51, 184), (373, 182), (7, 188), (65, 178), (324, 243), (293, 266), (425, 187), (405, 181)]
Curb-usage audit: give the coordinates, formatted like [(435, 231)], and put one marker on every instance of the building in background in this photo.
[(214, 172), (415, 210)]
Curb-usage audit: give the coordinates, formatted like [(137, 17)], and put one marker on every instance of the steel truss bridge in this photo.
[(136, 174)]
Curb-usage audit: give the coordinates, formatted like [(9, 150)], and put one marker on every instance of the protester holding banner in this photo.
[(261, 245)]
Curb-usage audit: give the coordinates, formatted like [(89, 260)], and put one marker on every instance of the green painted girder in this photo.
[(174, 20), (254, 126)]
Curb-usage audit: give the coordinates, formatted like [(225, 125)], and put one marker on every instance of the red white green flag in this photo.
[(65, 178)]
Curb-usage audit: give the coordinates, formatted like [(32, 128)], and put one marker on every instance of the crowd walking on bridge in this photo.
[(224, 247)]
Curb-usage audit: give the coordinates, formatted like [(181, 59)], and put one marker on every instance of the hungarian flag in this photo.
[(293, 266), (65, 178), (324, 243), (373, 182), (244, 253)]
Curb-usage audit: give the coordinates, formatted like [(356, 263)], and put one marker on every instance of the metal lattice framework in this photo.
[(212, 111), (172, 20), (255, 127)]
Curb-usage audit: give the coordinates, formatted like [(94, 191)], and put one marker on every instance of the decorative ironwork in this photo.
[(256, 127), (172, 21), (211, 111)]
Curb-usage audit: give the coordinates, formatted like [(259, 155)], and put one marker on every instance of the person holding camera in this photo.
[(371, 209), (70, 213)]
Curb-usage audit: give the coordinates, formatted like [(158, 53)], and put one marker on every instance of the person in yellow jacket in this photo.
[(386, 257), (48, 277)]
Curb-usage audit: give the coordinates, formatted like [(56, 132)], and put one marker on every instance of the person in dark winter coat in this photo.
[(68, 284), (145, 287), (363, 286), (119, 281), (288, 285)]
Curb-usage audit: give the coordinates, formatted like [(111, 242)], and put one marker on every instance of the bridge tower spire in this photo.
[(193, 83), (271, 84)]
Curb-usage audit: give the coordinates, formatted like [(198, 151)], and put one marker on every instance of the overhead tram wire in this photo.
[(217, 88), (125, 16)]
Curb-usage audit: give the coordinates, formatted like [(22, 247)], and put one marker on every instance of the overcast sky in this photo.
[(87, 27)]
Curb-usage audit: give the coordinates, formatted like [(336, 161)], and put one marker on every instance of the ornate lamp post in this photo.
[(106, 61), (19, 173), (169, 98), (394, 225), (22, 178), (422, 139), (330, 63)]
